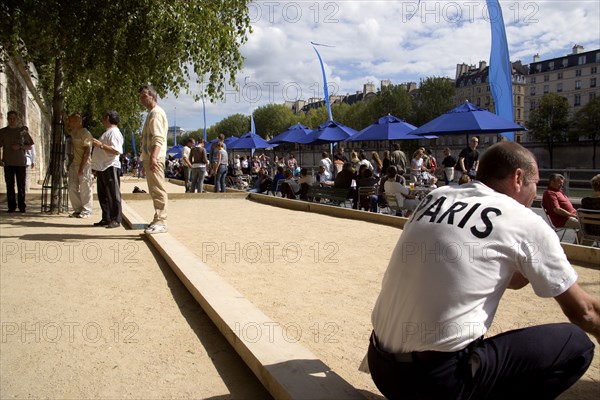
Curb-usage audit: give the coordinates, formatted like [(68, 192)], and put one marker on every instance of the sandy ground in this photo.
[(317, 276)]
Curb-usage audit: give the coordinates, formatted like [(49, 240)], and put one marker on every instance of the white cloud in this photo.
[(376, 40)]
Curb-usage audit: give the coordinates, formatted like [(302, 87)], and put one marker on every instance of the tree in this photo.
[(236, 125), (393, 100), (587, 123), (94, 54), (272, 119), (434, 99), (549, 122)]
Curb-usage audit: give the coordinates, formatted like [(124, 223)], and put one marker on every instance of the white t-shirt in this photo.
[(453, 262), (326, 162), (397, 189), (101, 159), (185, 154)]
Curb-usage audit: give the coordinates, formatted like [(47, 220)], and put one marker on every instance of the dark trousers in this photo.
[(109, 194), (531, 363), (10, 174)]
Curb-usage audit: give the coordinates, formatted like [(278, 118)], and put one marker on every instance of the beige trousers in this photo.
[(156, 187)]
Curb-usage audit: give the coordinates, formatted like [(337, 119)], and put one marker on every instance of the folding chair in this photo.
[(365, 194), (589, 220), (560, 231), (393, 205)]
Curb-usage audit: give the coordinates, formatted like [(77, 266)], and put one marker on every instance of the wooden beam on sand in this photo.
[(287, 369)]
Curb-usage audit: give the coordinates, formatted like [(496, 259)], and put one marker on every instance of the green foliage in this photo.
[(272, 119), (549, 122), (106, 50), (236, 125), (434, 99), (587, 120), (393, 100)]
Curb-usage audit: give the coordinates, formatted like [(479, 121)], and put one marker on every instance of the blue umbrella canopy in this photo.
[(386, 128), (293, 134), (329, 132), (227, 142), (467, 119), (250, 141), (175, 151)]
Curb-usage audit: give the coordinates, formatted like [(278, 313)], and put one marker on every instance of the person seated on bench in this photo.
[(263, 182), (290, 188), (278, 176), (324, 177), (406, 199), (369, 180), (344, 180), (305, 182)]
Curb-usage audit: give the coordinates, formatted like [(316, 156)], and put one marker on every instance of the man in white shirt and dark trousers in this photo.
[(105, 161)]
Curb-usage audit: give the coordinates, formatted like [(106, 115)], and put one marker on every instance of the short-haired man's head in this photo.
[(347, 166), (502, 159), (554, 176), (325, 154), (288, 174), (190, 141), (151, 91), (113, 117), (396, 146), (12, 112), (596, 183), (221, 136), (392, 171)]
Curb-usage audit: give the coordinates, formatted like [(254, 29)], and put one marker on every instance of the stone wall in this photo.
[(18, 92)]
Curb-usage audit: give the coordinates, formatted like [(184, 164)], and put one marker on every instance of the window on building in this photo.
[(581, 60), (592, 82), (577, 100), (577, 72), (532, 105), (533, 79), (592, 96), (518, 100), (487, 100), (546, 78), (577, 85), (594, 70), (538, 68), (478, 101), (546, 89), (559, 87), (518, 113), (551, 65), (532, 91), (479, 89), (565, 62), (559, 76)]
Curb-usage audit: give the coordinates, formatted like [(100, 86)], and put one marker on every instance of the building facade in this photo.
[(472, 84), (573, 76)]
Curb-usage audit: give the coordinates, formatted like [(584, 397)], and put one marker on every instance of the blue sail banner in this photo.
[(325, 89), (500, 71), (133, 142)]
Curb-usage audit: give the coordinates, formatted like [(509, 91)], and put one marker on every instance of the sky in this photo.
[(369, 41)]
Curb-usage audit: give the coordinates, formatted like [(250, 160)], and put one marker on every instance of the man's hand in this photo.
[(154, 165)]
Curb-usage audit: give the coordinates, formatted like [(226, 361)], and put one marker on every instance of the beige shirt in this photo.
[(154, 133), (81, 139)]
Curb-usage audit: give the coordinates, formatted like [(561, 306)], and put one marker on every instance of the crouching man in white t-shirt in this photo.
[(461, 249)]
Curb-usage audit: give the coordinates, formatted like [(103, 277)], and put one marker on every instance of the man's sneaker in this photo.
[(155, 228), (113, 224), (74, 214), (83, 215)]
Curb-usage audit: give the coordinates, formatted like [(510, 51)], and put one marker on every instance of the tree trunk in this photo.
[(57, 158)]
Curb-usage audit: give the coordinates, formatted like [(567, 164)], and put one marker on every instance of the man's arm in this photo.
[(86, 156), (517, 281), (582, 309)]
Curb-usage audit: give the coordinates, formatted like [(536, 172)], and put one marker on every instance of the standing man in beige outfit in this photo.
[(154, 152), (81, 181)]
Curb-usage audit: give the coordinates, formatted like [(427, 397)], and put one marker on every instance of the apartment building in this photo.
[(472, 84), (573, 76)]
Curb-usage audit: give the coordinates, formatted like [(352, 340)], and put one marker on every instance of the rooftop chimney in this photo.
[(577, 49), (536, 58)]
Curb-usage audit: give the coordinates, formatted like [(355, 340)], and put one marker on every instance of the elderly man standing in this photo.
[(558, 206), (80, 171), (154, 153), (15, 141), (107, 166)]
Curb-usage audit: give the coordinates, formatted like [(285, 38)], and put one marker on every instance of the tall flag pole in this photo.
[(325, 89), (132, 140), (204, 113), (252, 127), (500, 71)]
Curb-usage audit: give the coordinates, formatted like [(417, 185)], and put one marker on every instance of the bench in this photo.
[(335, 195)]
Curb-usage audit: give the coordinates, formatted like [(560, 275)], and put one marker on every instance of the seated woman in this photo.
[(263, 182), (368, 181), (290, 188), (593, 202)]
